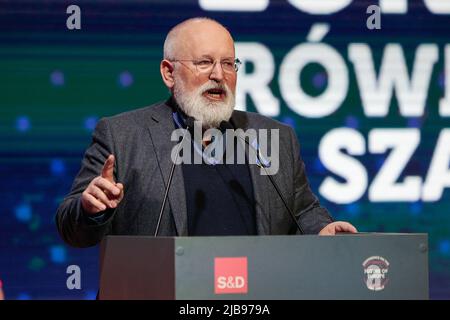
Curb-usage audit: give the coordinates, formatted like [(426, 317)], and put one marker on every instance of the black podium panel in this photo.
[(357, 266)]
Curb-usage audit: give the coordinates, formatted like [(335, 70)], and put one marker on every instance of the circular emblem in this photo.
[(375, 272)]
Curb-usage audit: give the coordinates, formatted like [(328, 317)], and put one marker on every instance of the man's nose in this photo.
[(216, 72)]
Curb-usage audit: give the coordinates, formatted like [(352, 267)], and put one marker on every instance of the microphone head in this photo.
[(189, 122), (225, 125)]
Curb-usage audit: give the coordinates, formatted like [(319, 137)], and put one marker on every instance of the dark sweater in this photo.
[(219, 199)]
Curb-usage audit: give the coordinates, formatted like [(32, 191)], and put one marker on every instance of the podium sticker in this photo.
[(230, 275), (375, 272)]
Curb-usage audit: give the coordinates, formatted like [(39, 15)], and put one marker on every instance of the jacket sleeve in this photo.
[(75, 226), (310, 215)]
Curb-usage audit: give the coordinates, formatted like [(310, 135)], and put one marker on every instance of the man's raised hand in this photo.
[(103, 192)]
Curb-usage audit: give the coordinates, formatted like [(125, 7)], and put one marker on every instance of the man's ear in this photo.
[(166, 69)]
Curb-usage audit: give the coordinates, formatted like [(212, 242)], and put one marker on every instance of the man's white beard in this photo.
[(194, 104)]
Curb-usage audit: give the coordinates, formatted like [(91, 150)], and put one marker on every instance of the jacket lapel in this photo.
[(260, 182), (160, 127), (262, 200)]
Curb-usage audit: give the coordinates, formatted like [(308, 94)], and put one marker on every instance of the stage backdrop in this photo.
[(366, 88)]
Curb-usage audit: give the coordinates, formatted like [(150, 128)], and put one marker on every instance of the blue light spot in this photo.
[(352, 122), (23, 296), (90, 295), (319, 167), (441, 80), (320, 80), (57, 167), (58, 254), (23, 212), (288, 121), (353, 209), (57, 78), (415, 208), (23, 123), (125, 79), (379, 161), (414, 122), (444, 247), (90, 123)]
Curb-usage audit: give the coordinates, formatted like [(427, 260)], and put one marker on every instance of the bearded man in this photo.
[(125, 171)]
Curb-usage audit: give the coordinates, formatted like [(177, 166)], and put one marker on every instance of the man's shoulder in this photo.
[(138, 115), (253, 120)]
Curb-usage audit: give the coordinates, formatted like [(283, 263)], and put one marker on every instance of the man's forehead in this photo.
[(206, 38)]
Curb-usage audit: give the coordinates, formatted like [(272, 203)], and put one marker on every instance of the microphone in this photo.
[(227, 125), (189, 124)]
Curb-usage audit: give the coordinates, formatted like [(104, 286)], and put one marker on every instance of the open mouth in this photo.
[(215, 94)]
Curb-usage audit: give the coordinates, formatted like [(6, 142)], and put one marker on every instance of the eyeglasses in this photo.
[(207, 65)]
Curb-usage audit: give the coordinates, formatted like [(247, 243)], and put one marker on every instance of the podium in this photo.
[(347, 266)]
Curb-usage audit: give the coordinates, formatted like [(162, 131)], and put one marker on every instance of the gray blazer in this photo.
[(140, 141)]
